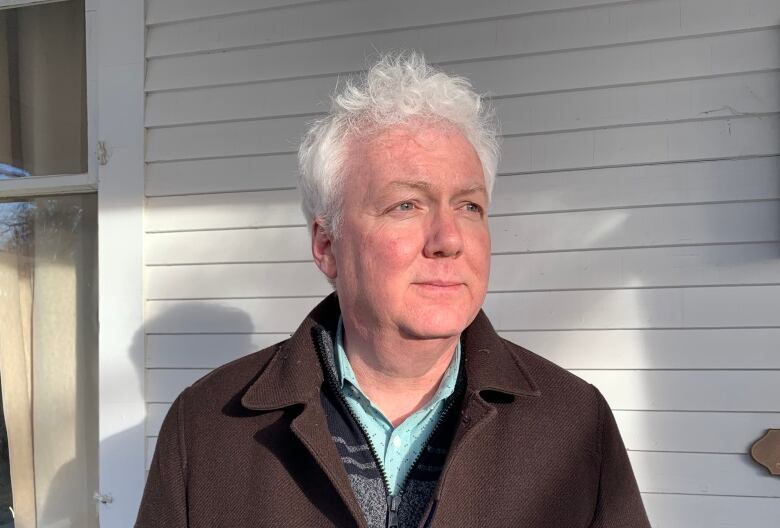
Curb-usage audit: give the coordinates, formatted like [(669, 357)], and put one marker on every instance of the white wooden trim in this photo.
[(40, 185), (5, 4), (119, 33)]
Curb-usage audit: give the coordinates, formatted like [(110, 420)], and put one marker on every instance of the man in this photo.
[(395, 403)]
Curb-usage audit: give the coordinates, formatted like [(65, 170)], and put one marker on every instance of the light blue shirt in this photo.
[(397, 448)]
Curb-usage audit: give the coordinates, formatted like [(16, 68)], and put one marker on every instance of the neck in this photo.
[(398, 374)]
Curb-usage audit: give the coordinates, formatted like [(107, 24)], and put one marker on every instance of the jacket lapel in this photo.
[(294, 377), (491, 367), (311, 428)]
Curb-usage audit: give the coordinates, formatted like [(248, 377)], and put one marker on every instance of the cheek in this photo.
[(390, 253), (479, 242)]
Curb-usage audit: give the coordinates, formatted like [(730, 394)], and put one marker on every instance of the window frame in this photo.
[(115, 29), (31, 186)]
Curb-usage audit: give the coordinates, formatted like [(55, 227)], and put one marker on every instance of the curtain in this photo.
[(16, 380), (48, 359)]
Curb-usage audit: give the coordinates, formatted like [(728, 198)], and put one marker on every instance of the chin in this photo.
[(436, 324)]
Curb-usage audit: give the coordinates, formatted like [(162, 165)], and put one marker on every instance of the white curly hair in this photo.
[(399, 87)]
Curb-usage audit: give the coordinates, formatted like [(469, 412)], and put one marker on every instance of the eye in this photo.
[(473, 207), (405, 206)]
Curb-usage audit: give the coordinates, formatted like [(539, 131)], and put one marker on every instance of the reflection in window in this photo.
[(43, 110), (48, 358)]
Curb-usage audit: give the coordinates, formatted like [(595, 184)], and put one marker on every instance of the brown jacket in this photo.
[(248, 446)]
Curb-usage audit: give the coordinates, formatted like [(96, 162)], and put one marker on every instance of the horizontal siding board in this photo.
[(702, 474), (151, 444), (155, 414), (234, 315), (204, 350), (630, 268), (238, 138), (315, 21), (241, 245), (737, 306), (212, 281), (673, 225), (639, 185), (647, 103), (755, 93), (646, 267), (688, 141), (700, 511), (240, 101), (629, 63), (689, 390), (163, 385), (713, 348), (166, 11), (693, 432), (220, 211), (252, 173)]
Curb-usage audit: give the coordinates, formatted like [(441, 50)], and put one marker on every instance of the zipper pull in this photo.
[(393, 503)]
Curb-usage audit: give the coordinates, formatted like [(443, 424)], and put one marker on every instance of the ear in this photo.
[(322, 249)]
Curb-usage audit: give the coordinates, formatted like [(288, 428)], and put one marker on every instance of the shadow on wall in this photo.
[(113, 447)]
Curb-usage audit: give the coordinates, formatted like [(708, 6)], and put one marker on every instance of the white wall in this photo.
[(636, 219)]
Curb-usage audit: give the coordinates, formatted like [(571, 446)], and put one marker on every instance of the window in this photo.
[(43, 112), (48, 359), (48, 267)]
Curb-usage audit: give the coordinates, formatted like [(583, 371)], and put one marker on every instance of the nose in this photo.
[(444, 237)]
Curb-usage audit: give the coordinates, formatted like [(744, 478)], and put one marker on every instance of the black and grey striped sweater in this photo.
[(366, 474)]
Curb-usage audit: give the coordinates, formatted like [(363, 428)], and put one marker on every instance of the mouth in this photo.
[(439, 285)]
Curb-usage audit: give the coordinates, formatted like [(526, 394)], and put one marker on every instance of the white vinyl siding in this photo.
[(635, 219)]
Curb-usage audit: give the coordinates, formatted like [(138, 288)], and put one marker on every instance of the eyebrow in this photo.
[(425, 186)]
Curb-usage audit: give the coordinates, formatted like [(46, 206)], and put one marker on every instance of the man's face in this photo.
[(413, 254)]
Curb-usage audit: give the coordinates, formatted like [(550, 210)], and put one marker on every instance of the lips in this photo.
[(439, 284)]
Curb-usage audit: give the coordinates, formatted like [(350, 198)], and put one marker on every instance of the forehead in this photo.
[(414, 149)]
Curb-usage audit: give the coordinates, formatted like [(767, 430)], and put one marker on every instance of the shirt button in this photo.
[(396, 441)]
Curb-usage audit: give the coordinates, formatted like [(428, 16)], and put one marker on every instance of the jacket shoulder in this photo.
[(554, 380), (230, 380)]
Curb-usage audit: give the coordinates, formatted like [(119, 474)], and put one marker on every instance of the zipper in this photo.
[(393, 501), (452, 399), (460, 386)]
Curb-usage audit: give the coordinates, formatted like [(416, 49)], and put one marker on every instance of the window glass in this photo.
[(48, 360), (43, 106)]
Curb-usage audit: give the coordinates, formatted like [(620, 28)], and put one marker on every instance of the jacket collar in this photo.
[(294, 374)]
